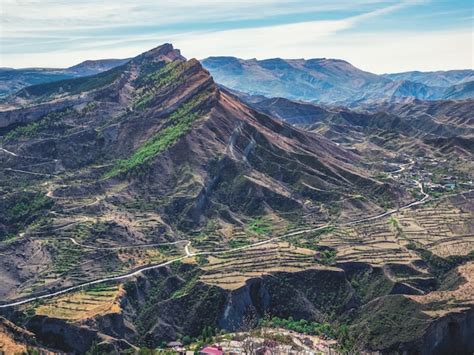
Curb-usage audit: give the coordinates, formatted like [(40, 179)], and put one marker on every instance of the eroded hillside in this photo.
[(152, 204)]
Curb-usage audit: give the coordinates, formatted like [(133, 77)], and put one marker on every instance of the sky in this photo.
[(376, 35)]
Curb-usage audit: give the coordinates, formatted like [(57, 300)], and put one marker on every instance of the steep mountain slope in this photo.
[(328, 81), (158, 135), (416, 128), (151, 205), (12, 80), (414, 118)]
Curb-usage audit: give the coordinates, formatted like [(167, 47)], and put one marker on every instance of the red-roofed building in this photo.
[(212, 350)]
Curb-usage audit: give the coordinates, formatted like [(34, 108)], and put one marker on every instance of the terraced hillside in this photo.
[(144, 154), (145, 204)]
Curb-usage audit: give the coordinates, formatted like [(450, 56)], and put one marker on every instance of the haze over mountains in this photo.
[(335, 82), (152, 204)]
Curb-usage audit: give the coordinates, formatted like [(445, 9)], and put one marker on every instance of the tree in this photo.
[(186, 340)]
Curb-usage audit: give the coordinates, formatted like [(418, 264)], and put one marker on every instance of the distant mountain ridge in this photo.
[(334, 81), (434, 78), (13, 80)]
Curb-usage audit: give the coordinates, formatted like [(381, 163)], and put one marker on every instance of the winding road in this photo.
[(8, 152), (150, 245), (188, 253)]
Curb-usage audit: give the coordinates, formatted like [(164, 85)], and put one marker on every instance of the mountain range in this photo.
[(325, 81), (334, 82), (151, 203)]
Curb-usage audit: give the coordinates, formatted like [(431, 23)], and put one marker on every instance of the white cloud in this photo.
[(378, 52), (43, 16)]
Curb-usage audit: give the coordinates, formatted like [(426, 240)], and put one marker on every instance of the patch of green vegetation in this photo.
[(167, 250), (51, 121), (334, 209), (91, 106), (29, 205), (188, 286), (22, 209), (153, 147), (180, 123), (201, 260), (416, 194), (144, 100), (65, 258), (151, 70), (89, 232), (311, 239), (328, 256), (259, 226), (370, 284), (238, 243), (383, 176), (167, 288), (101, 288), (154, 80), (393, 222)]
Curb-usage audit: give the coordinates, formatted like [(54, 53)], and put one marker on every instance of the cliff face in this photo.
[(62, 335), (452, 334), (165, 304)]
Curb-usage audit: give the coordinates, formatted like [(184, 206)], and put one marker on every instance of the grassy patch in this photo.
[(259, 226), (186, 288), (381, 176), (369, 284)]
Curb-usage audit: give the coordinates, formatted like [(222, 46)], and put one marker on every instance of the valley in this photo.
[(148, 204)]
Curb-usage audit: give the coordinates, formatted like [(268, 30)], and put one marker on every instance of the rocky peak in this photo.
[(165, 52)]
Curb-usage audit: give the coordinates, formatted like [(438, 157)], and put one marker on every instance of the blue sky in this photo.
[(375, 35)]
